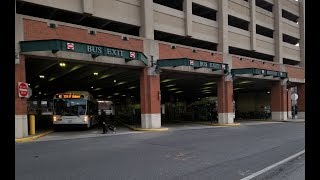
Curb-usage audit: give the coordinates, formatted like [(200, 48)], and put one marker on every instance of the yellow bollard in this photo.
[(32, 124)]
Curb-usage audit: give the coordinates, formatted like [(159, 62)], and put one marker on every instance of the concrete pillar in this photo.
[(289, 106), (252, 28), (279, 100), (225, 100), (187, 8), (19, 36), (147, 26), (87, 6), (301, 101), (302, 32), (277, 35), (150, 98), (222, 17), (21, 119)]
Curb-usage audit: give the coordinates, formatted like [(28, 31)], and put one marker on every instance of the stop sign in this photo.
[(23, 89)]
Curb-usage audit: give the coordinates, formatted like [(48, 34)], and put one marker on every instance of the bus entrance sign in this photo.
[(23, 89)]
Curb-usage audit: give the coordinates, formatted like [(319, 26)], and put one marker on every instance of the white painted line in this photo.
[(273, 166)]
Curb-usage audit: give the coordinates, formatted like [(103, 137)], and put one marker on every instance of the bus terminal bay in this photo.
[(145, 85)]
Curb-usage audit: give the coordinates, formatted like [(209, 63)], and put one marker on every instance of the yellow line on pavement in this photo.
[(31, 138)]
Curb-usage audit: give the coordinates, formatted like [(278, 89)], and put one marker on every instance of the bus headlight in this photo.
[(54, 118), (85, 119)]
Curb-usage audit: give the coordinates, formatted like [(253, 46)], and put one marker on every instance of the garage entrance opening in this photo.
[(116, 88)]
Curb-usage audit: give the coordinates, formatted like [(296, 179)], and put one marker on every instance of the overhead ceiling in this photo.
[(113, 82), (80, 76)]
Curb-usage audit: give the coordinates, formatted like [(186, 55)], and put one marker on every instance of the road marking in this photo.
[(273, 166)]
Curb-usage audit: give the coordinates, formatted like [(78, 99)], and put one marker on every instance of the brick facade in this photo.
[(37, 30), (20, 76)]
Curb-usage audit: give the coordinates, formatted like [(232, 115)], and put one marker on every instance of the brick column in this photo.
[(225, 100), (150, 99), (279, 100), (21, 119), (289, 106), (301, 101)]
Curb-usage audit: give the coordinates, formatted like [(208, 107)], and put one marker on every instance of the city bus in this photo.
[(74, 109)]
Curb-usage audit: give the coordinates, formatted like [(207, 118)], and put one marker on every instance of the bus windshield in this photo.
[(70, 107)]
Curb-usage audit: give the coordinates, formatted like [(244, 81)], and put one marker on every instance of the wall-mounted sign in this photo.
[(94, 50), (23, 89), (191, 62)]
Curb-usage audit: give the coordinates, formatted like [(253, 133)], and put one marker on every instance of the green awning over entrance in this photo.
[(192, 62), (256, 71), (94, 50)]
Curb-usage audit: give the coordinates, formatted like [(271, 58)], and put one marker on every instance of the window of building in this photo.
[(289, 39), (187, 41), (176, 4), (40, 11), (288, 15), (204, 12), (264, 5), (238, 23), (252, 54), (290, 62), (264, 31)]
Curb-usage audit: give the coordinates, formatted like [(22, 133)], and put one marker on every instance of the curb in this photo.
[(28, 139), (217, 124), (142, 129)]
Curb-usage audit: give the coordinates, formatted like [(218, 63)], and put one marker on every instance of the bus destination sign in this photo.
[(68, 96)]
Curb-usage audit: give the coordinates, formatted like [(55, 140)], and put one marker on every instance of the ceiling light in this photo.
[(116, 94), (114, 80), (208, 87), (132, 87), (91, 87), (268, 92), (62, 64), (41, 76), (95, 73), (120, 83), (245, 82), (123, 95), (209, 83), (177, 92), (167, 80), (170, 85), (172, 89)]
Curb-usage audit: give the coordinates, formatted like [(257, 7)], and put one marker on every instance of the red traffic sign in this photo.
[(23, 89)]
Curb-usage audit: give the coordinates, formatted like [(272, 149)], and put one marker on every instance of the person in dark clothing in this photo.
[(111, 125), (103, 122)]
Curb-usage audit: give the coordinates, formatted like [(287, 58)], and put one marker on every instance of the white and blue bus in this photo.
[(74, 109)]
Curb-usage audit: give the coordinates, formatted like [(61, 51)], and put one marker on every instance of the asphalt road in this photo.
[(292, 170), (211, 153)]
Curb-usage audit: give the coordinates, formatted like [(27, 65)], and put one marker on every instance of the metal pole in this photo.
[(32, 125)]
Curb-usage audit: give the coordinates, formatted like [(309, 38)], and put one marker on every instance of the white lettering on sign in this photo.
[(94, 49), (203, 64)]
